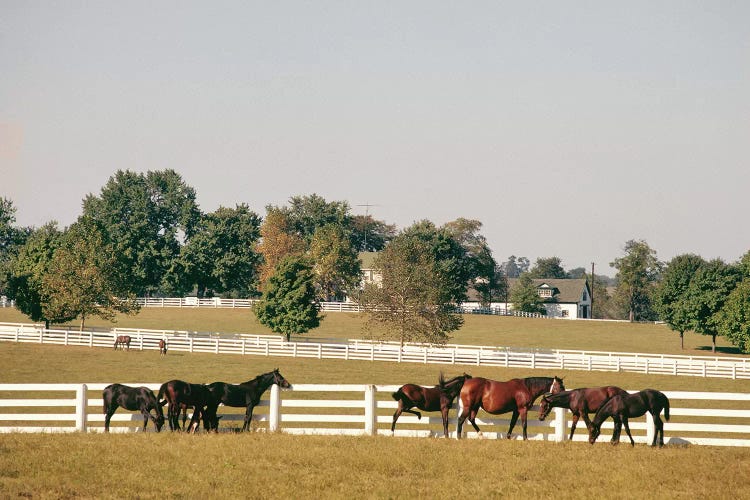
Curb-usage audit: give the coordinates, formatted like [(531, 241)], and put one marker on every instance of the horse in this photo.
[(516, 395), (123, 341), (435, 398), (180, 395), (245, 395), (580, 402), (134, 399), (163, 347), (625, 406)]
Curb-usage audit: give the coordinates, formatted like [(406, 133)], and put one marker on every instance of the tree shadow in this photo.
[(721, 349)]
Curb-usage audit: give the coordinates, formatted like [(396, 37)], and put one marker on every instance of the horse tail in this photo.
[(162, 391), (666, 408), (398, 395)]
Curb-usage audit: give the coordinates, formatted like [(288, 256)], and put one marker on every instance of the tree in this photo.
[(525, 298), (671, 293), (221, 255), (277, 242), (307, 213), (145, 217), (26, 271), (81, 279), (479, 263), (710, 287), (548, 268), (335, 263), (410, 303), (11, 239), (637, 272), (515, 266), (370, 235), (288, 304), (734, 317)]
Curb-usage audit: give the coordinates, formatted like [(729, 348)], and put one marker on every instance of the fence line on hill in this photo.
[(696, 417), (451, 354)]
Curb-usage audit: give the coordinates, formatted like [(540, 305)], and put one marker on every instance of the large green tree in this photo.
[(277, 241), (734, 317), (710, 287), (11, 239), (369, 234), (289, 304), (525, 298), (550, 267), (637, 272), (145, 217), (336, 265), (411, 303), (307, 213), (670, 296), (81, 279), (221, 256), (514, 267)]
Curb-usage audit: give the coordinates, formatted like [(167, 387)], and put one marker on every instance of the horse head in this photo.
[(596, 429), (557, 385), (545, 407), (279, 379)]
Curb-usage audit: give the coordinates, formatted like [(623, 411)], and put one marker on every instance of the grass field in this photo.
[(261, 465)]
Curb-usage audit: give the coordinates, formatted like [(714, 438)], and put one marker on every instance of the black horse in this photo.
[(134, 399), (180, 395), (435, 398), (245, 395), (580, 402), (622, 407)]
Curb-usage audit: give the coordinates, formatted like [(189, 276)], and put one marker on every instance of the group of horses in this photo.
[(123, 342), (518, 396), (204, 399)]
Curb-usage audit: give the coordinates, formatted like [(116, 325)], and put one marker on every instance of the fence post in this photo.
[(81, 407), (560, 424), (274, 416), (650, 430), (371, 417)]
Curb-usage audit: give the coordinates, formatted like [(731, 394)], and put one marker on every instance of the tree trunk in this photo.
[(682, 340), (83, 321), (713, 342)]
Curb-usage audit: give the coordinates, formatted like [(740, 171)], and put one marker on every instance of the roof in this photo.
[(568, 290)]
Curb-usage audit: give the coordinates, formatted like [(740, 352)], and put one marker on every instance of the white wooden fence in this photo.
[(451, 354), (699, 418)]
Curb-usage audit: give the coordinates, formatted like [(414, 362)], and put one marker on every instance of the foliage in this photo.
[(602, 306), (734, 317), (709, 289), (514, 267), (637, 272), (525, 297), (277, 242), (11, 238), (144, 217), (548, 268), (221, 256), (369, 234), (288, 304), (307, 213), (81, 280), (481, 268), (410, 303), (27, 269), (671, 292), (335, 263)]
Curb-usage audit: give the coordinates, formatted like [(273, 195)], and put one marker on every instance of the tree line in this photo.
[(144, 234)]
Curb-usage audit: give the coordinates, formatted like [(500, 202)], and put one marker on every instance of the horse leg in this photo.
[(513, 420), (523, 412), (461, 420), (473, 420), (396, 414), (108, 416), (146, 416), (627, 429), (573, 426), (659, 426), (444, 414), (248, 417)]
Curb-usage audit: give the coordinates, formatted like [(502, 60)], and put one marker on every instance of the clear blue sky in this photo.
[(567, 128)]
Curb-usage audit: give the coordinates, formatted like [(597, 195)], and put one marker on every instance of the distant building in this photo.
[(563, 298)]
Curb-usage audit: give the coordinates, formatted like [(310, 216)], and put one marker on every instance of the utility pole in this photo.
[(592, 290), (367, 210)]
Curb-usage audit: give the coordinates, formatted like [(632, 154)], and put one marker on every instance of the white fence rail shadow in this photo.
[(698, 418), (451, 354)]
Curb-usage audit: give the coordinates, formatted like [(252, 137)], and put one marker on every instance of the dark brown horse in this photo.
[(134, 399), (580, 402), (435, 398), (181, 395), (516, 395), (163, 347), (623, 407), (123, 341), (245, 395)]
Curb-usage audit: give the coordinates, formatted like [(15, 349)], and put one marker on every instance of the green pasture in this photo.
[(263, 465)]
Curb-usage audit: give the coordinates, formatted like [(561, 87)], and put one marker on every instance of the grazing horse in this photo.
[(623, 407), (163, 347), (435, 398), (516, 395), (180, 395), (580, 402), (123, 341), (134, 399), (245, 395)]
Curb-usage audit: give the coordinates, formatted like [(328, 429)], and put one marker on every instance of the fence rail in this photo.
[(699, 418), (451, 354)]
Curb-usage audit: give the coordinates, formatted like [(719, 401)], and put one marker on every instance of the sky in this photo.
[(566, 128)]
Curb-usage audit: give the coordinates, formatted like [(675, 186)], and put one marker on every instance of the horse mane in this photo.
[(536, 383), (259, 378)]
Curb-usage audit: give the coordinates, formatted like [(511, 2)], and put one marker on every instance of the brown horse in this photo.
[(122, 341), (623, 407), (163, 347), (180, 395), (435, 398), (580, 402), (134, 399), (516, 395)]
